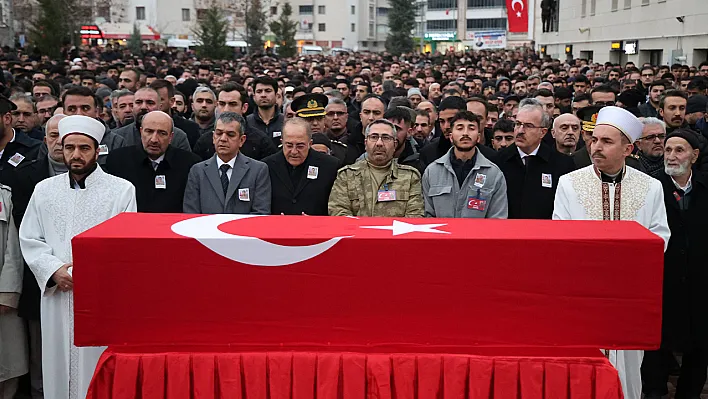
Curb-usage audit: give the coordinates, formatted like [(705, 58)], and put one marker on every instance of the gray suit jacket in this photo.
[(112, 141), (249, 178), (131, 136)]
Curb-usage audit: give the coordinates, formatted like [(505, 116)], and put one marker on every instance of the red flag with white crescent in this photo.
[(518, 15)]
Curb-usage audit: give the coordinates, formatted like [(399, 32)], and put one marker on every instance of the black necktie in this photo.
[(224, 177)]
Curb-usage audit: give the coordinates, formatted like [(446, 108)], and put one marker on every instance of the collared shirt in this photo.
[(687, 188), (231, 163), (156, 162), (523, 155), (12, 140)]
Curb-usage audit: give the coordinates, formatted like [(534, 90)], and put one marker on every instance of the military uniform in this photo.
[(399, 194)]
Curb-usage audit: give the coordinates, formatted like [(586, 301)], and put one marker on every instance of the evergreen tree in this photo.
[(135, 41), (256, 25), (211, 32), (401, 22), (284, 30), (51, 29)]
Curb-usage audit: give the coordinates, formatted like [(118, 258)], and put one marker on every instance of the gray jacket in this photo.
[(248, 192), (131, 136), (482, 195), (111, 141)]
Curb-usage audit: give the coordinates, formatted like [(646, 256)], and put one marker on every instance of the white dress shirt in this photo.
[(231, 163), (523, 155)]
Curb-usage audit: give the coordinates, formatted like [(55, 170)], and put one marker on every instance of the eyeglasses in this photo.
[(298, 146), (526, 126), (374, 137), (653, 137), (335, 114), (604, 103)]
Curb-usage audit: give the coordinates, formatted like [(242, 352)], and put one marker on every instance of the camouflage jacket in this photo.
[(352, 191)]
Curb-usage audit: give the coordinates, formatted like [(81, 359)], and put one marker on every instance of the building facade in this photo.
[(618, 31), (445, 25)]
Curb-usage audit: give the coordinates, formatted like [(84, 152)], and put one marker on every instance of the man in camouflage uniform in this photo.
[(377, 185)]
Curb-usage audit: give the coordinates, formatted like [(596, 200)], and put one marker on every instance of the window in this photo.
[(371, 21), (185, 14), (140, 13), (441, 24), (485, 3), (201, 14), (583, 8), (382, 12), (645, 2), (593, 4), (353, 10), (486, 24), (306, 10), (320, 27), (274, 10), (371, 29), (353, 27), (442, 4), (364, 44), (627, 4), (101, 12), (615, 4), (321, 10)]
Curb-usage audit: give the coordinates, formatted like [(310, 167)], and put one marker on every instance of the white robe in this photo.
[(55, 214), (13, 340), (579, 197)]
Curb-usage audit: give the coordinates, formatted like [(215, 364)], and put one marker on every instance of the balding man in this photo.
[(566, 133), (157, 169), (148, 100)]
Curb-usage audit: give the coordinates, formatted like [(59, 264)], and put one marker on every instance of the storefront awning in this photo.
[(117, 31)]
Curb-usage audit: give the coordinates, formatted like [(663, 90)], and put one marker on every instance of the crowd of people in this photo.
[(502, 134)]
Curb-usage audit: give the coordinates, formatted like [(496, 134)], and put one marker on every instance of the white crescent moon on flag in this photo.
[(244, 249), (514, 2)]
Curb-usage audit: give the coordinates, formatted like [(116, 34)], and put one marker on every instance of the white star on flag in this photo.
[(399, 228), (518, 14)]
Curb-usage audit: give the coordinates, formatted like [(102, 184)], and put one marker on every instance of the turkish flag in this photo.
[(518, 15), (353, 283)]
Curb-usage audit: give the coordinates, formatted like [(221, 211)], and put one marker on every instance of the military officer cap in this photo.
[(588, 117), (310, 105), (6, 105)]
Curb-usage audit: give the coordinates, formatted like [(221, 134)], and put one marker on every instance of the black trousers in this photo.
[(546, 20), (655, 373)]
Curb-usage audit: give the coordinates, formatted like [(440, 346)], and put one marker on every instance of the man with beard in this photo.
[(377, 185), (81, 101), (301, 178), (267, 119), (672, 109), (60, 208), (156, 169), (405, 152), (129, 79), (204, 107), (656, 90), (122, 107), (684, 323), (166, 91), (439, 146), (233, 98), (609, 190), (24, 117), (566, 132), (23, 182), (651, 147), (531, 167), (148, 100), (464, 183)]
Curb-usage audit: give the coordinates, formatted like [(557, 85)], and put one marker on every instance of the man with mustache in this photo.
[(672, 109), (157, 169), (610, 190), (566, 132), (60, 208), (464, 183), (684, 325), (148, 100), (651, 147)]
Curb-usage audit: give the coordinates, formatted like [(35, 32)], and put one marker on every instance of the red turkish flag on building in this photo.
[(518, 15)]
